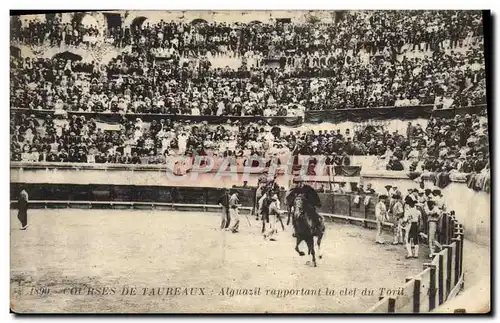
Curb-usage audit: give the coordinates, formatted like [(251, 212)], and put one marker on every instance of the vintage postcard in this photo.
[(249, 162)]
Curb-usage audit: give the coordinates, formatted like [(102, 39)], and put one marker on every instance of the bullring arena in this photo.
[(83, 254), (155, 249), (112, 114)]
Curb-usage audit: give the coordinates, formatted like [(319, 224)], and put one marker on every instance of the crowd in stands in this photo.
[(81, 140), (132, 84), (456, 144), (352, 63), (362, 60), (371, 30), (451, 144), (54, 32)]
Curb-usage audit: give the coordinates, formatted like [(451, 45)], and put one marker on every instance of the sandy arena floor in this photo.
[(99, 254)]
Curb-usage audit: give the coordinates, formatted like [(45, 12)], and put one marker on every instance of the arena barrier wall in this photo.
[(440, 280), (120, 174), (111, 182), (346, 206)]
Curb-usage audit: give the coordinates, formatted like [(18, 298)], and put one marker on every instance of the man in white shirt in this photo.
[(267, 112), (412, 220), (438, 198), (274, 218), (220, 108), (194, 110), (397, 214), (413, 155), (433, 215), (137, 134), (182, 142), (234, 204), (381, 216), (269, 137)]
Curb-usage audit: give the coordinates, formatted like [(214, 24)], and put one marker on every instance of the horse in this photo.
[(306, 229)]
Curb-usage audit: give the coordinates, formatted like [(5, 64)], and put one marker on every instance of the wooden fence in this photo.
[(345, 204), (439, 281)]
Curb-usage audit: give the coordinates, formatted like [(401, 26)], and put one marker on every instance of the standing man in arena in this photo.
[(412, 221), (438, 199), (224, 202), (393, 191), (381, 216), (270, 187), (234, 204), (22, 215), (261, 187), (274, 215), (397, 214), (433, 217)]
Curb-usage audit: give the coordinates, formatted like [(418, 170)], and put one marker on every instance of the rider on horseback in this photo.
[(311, 200)]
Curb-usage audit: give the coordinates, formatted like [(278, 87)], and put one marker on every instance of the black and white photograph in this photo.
[(249, 162)]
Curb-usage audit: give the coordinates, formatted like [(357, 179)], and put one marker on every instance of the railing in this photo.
[(93, 166), (124, 205), (334, 116), (440, 280), (148, 117), (390, 112)]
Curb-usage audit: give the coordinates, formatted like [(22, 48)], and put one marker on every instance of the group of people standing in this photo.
[(230, 210), (420, 211), (267, 207)]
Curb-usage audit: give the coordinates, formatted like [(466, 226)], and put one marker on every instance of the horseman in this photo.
[(311, 201)]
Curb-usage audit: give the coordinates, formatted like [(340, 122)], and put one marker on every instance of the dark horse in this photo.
[(306, 228)]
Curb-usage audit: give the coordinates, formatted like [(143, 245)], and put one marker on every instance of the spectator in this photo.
[(395, 164)]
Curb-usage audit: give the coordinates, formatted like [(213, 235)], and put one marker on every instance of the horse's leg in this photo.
[(310, 245), (289, 215), (320, 255), (263, 224), (298, 241)]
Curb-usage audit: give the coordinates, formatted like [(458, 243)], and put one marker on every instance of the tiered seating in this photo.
[(365, 60)]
